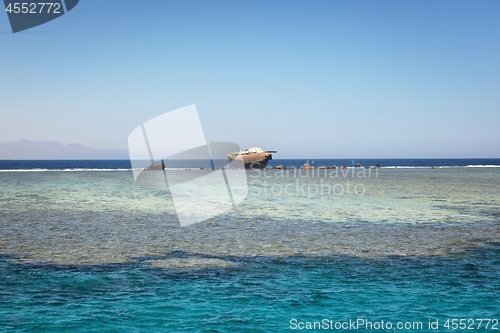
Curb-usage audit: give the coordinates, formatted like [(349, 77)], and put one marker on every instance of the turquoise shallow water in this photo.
[(91, 251), (260, 295)]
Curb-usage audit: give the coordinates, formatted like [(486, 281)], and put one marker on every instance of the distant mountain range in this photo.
[(53, 150)]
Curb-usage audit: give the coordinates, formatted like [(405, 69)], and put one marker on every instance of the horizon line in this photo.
[(297, 158)]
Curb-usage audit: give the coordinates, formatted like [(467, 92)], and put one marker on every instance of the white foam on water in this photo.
[(439, 166), (482, 166)]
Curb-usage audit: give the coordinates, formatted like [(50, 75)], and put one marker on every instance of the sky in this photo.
[(310, 79)]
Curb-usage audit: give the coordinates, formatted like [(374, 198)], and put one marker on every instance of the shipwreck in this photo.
[(253, 158)]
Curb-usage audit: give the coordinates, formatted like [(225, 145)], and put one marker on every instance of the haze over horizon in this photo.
[(320, 79), (48, 150)]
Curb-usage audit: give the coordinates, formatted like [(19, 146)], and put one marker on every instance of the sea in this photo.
[(412, 246)]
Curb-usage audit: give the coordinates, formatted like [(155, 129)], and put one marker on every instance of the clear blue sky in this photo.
[(315, 79)]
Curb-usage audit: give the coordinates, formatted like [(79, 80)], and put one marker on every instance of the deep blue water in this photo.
[(63, 164), (390, 162), (261, 295), (125, 164)]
